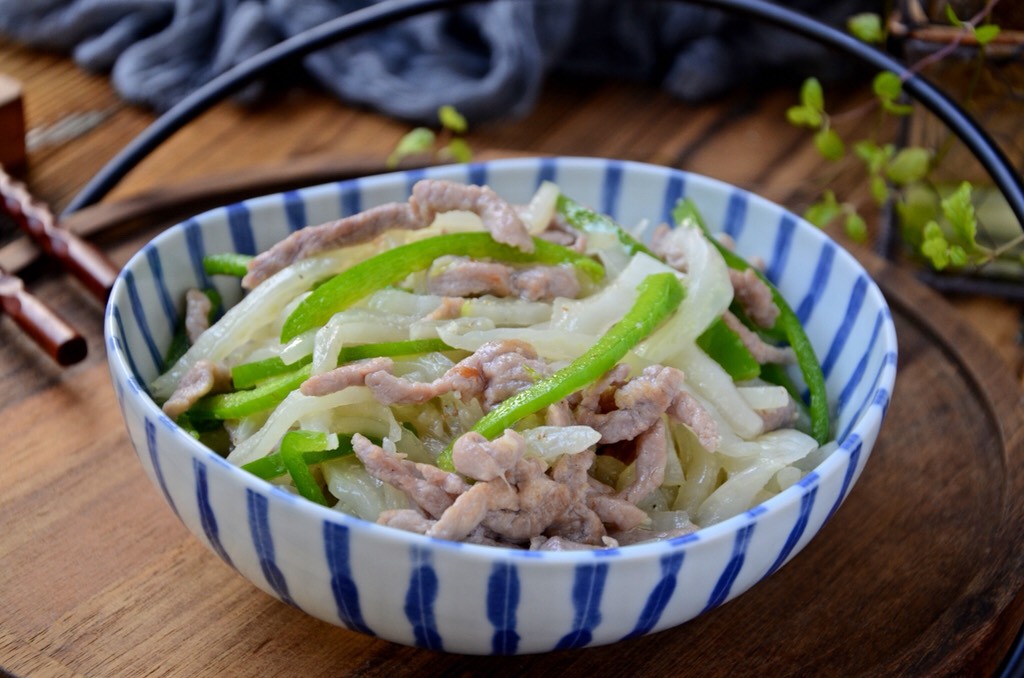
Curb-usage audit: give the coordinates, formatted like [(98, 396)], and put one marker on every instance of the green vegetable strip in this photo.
[(248, 375), (658, 297), (293, 447), (583, 219), (787, 322), (390, 267), (244, 403), (727, 349), (718, 341), (228, 263), (275, 389), (272, 466)]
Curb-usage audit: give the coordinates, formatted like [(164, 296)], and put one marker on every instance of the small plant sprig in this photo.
[(450, 144), (941, 229)]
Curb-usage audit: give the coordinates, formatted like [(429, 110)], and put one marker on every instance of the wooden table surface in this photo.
[(96, 575)]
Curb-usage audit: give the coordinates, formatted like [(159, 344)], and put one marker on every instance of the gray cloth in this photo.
[(488, 60)]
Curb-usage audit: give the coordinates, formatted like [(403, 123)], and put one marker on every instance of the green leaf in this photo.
[(957, 256), (934, 248), (873, 155), (823, 212), (812, 96), (459, 150), (986, 34), (829, 144), (909, 165), (901, 110), (951, 15), (918, 206), (452, 120), (866, 27), (856, 227), (802, 116), (417, 140), (879, 189), (959, 212), (887, 86)]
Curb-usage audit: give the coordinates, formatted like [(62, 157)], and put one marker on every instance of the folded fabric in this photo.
[(489, 60)]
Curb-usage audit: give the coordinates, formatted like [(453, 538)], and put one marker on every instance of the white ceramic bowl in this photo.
[(476, 599)]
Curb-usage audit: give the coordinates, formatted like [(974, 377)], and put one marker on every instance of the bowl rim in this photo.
[(865, 424)]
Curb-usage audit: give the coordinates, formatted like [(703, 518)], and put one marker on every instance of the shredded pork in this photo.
[(429, 198), (463, 277), (204, 378)]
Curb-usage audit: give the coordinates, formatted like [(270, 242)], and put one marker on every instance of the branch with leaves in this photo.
[(940, 226)]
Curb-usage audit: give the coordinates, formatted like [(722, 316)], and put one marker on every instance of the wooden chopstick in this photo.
[(77, 256), (60, 341)]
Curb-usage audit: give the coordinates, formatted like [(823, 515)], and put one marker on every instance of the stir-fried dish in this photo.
[(517, 375)]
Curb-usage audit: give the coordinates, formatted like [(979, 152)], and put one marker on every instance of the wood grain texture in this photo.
[(917, 573)]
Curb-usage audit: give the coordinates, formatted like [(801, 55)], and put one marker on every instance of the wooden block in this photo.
[(12, 124)]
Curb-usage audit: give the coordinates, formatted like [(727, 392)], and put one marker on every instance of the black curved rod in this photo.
[(387, 12)]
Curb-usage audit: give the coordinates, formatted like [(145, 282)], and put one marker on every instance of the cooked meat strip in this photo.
[(688, 410), (508, 368), (565, 235), (463, 277), (559, 414), (755, 297), (203, 378), (762, 352), (351, 374), (780, 417), (513, 499), (197, 314), (541, 501), (351, 230), (476, 457), (613, 510), (543, 283), (467, 278), (640, 402), (597, 396), (463, 516), (433, 493), (389, 389), (496, 370), (667, 249), (649, 466), (429, 197), (409, 520), (580, 524)]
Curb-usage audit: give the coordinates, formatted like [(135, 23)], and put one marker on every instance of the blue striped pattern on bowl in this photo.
[(473, 599)]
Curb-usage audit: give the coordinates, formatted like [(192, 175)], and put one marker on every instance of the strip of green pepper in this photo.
[(726, 348), (787, 323), (588, 221), (658, 296), (294, 446), (272, 466), (248, 375), (227, 263), (718, 341), (273, 390), (392, 266)]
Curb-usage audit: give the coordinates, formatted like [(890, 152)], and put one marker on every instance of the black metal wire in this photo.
[(385, 13)]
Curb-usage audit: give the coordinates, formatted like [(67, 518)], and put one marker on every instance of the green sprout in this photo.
[(422, 140)]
